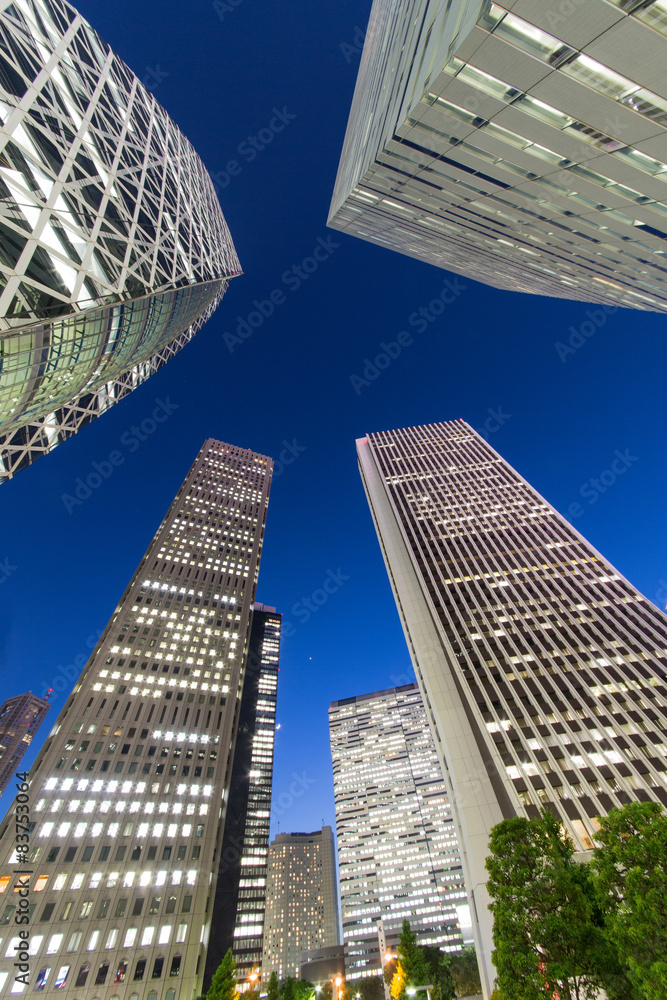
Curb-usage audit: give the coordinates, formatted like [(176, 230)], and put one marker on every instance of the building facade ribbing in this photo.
[(128, 795), (113, 242), (515, 143), (240, 899), (542, 668), (302, 911), (20, 718), (398, 854)]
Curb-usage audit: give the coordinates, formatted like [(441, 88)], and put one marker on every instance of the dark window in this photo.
[(70, 854), (120, 854), (120, 907), (187, 903), (83, 975), (53, 854), (155, 904), (120, 972), (102, 973), (175, 965), (87, 854), (181, 853), (104, 908), (152, 852), (136, 853), (139, 970), (196, 851), (171, 904), (7, 915), (166, 853), (137, 907), (125, 748), (47, 912), (104, 852), (157, 968)]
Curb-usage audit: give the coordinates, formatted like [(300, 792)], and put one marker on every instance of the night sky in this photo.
[(228, 72)]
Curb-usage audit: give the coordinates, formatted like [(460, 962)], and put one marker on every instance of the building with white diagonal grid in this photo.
[(113, 247), (398, 855), (543, 670), (129, 794), (521, 143)]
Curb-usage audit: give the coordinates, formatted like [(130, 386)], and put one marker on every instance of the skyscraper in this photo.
[(302, 911), (240, 898), (130, 790), (114, 247), (542, 668), (20, 718), (514, 143), (398, 854)]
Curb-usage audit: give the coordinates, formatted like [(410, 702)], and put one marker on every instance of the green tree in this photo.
[(548, 932), (465, 972), (411, 958), (439, 974), (288, 989), (630, 873), (223, 984), (273, 987), (303, 989)]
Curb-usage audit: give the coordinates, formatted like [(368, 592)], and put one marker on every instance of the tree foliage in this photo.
[(273, 987), (630, 874), (548, 933), (439, 965), (464, 972), (223, 984)]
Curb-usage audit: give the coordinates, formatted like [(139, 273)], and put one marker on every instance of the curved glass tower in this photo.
[(112, 242)]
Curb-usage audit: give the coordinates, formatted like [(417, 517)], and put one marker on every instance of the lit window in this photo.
[(147, 936), (165, 934), (54, 944), (130, 937)]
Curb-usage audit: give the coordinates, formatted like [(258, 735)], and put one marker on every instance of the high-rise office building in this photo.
[(515, 143), (302, 911), (20, 718), (240, 898), (130, 790), (114, 247), (541, 667), (398, 854)]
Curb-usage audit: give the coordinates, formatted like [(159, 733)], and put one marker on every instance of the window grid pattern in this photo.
[(132, 785), (398, 853), (114, 243), (486, 145)]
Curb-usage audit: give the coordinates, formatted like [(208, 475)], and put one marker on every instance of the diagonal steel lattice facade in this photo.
[(113, 246)]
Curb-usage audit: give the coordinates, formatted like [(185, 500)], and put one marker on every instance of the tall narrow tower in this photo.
[(130, 791), (398, 853), (20, 718), (542, 668), (238, 912)]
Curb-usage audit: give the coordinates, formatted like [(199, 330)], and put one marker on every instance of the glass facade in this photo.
[(526, 152), (20, 718), (129, 794), (543, 670), (113, 241), (398, 853)]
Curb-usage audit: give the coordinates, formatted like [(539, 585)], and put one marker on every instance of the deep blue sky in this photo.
[(290, 382)]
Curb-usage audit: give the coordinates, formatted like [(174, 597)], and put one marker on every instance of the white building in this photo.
[(398, 853), (519, 143), (542, 668), (302, 912), (128, 795)]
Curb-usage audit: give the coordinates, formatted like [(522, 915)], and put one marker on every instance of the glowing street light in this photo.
[(411, 990)]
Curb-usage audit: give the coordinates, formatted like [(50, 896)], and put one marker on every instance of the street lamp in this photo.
[(411, 990)]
